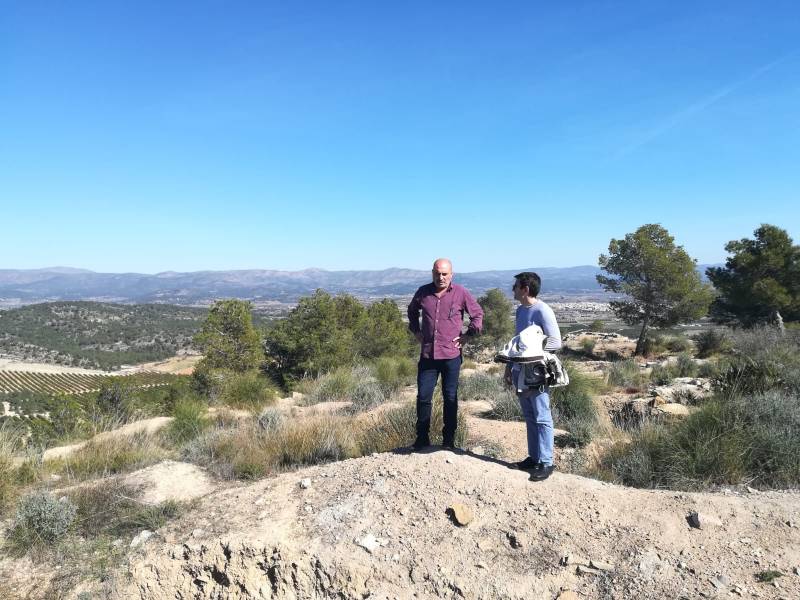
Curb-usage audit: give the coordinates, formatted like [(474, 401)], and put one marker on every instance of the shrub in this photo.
[(271, 419), (114, 399), (248, 391), (111, 507), (762, 359), (188, 422), (480, 386), (728, 440), (335, 386), (574, 409), (662, 374), (685, 366), (626, 374), (710, 342), (677, 343), (396, 428), (588, 344), (653, 345), (41, 520), (395, 372), (708, 370), (505, 407), (249, 451), (366, 394), (597, 325)]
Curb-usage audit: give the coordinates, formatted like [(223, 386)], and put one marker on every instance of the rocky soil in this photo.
[(383, 527)]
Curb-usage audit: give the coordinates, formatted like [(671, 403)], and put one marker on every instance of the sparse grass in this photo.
[(626, 374), (597, 325), (768, 576), (711, 342), (111, 507), (248, 391), (249, 450), (10, 444), (480, 386), (189, 421), (392, 373), (396, 428), (110, 456), (728, 440), (573, 407)]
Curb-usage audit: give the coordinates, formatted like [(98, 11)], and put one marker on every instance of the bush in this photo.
[(41, 520), (625, 374), (480, 386), (393, 373), (710, 342), (336, 386), (588, 344), (598, 325), (271, 419), (729, 440), (505, 407), (366, 394), (762, 359), (708, 370), (662, 374), (677, 343), (111, 508), (250, 451), (574, 409), (189, 421), (248, 391), (396, 428), (685, 366)]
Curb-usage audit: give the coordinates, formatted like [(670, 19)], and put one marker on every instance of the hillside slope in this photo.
[(288, 538)]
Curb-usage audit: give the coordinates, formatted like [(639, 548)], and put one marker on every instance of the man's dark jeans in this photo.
[(428, 371)]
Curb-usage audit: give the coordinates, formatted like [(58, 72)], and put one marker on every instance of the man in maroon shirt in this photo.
[(442, 305)]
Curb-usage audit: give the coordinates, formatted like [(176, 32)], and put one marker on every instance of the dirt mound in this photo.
[(171, 480), (379, 527)]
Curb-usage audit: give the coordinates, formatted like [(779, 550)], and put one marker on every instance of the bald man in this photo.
[(442, 305)]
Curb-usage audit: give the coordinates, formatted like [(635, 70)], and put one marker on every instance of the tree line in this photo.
[(759, 283), (657, 279)]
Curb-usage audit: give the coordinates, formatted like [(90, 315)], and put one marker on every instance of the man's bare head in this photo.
[(442, 273)]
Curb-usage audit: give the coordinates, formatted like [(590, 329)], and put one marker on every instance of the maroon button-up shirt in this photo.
[(442, 319)]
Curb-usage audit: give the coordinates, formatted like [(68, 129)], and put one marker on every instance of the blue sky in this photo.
[(183, 136)]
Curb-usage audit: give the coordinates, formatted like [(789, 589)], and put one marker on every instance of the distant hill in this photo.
[(28, 286), (95, 335)]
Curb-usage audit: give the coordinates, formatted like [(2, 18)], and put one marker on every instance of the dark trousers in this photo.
[(428, 371)]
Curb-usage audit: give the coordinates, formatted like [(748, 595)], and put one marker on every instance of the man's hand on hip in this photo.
[(461, 340), (418, 335)]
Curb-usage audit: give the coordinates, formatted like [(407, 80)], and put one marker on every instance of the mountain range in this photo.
[(26, 286)]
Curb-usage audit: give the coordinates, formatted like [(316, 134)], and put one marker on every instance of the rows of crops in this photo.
[(70, 383)]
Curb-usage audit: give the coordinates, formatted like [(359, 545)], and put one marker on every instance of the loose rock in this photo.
[(461, 513)]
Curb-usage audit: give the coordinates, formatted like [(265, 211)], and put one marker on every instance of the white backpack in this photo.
[(539, 369)]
